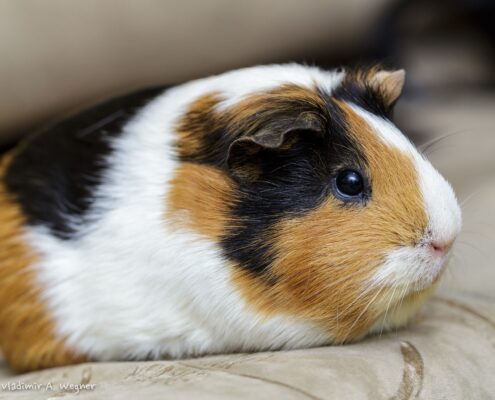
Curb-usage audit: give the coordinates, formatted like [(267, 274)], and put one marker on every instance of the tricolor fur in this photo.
[(202, 219)]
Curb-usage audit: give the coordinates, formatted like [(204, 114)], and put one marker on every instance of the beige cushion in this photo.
[(448, 354)]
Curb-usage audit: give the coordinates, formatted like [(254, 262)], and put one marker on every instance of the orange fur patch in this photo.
[(200, 118), (324, 259), (200, 198), (267, 105), (27, 336)]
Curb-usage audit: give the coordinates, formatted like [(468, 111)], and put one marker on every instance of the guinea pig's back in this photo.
[(48, 185), (54, 174)]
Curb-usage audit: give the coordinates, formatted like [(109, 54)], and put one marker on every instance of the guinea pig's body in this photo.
[(266, 208)]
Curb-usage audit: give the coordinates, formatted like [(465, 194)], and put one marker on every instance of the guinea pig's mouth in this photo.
[(431, 274), (411, 269)]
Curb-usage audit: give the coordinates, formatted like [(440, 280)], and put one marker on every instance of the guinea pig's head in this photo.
[(322, 208)]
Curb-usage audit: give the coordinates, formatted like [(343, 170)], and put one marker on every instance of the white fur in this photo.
[(129, 286), (418, 266), (410, 268), (237, 84)]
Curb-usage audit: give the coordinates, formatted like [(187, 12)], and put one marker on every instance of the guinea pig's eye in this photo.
[(349, 184)]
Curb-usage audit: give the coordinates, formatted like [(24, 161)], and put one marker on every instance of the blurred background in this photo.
[(58, 56)]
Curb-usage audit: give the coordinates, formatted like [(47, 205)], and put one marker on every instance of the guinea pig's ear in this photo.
[(246, 153), (389, 85)]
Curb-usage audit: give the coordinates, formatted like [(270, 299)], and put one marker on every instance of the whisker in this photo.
[(451, 279), (440, 148), (477, 233), (482, 253), (482, 223), (361, 295), (424, 147), (363, 311), (398, 305), (386, 310), (462, 261), (471, 196)]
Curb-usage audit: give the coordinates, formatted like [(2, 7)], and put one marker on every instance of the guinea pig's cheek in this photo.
[(319, 272)]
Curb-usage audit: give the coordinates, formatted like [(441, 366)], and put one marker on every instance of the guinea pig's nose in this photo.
[(440, 247)]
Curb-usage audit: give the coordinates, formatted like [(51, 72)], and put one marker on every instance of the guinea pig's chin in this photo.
[(396, 310)]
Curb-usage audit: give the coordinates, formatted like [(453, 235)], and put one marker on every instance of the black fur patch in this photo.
[(290, 180), (354, 89), (363, 97), (56, 171), (202, 125)]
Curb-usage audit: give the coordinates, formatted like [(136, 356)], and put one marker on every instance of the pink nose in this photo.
[(440, 247)]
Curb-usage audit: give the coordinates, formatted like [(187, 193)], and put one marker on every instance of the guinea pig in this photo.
[(272, 207)]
